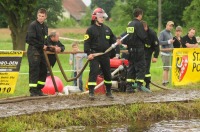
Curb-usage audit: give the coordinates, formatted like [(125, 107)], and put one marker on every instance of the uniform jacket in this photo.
[(152, 44), (137, 35), (98, 39), (36, 34), (49, 42)]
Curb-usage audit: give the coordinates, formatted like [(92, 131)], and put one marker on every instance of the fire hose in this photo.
[(81, 71)]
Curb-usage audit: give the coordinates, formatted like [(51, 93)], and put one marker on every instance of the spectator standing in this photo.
[(54, 45), (166, 41), (177, 38), (76, 61), (189, 40)]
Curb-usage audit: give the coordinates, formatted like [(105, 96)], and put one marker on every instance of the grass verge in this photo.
[(100, 115)]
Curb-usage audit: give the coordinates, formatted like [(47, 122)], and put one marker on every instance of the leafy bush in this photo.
[(67, 23)]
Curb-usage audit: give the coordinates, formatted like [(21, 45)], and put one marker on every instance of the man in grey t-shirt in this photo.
[(166, 41)]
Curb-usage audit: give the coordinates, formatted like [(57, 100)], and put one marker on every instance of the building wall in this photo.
[(66, 14)]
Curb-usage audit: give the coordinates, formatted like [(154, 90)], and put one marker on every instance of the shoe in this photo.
[(40, 93), (165, 83), (91, 96), (37, 93), (134, 85), (33, 94), (109, 95)]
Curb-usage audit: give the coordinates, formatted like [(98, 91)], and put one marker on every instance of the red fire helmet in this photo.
[(99, 12)]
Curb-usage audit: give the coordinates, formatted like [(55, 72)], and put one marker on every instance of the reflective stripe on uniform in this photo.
[(32, 85), (130, 80), (108, 82), (107, 37), (140, 80), (147, 46), (92, 83), (148, 75), (41, 83)]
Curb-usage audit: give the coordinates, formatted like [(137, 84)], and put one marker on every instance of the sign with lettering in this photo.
[(10, 61), (185, 66)]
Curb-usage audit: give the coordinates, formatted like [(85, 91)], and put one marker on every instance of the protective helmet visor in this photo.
[(102, 15)]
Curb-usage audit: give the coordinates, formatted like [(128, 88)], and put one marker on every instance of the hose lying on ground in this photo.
[(158, 86)]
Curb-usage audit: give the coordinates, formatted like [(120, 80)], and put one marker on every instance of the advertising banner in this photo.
[(10, 61), (185, 66)]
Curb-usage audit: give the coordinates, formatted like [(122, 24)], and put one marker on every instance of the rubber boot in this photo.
[(91, 94), (147, 86), (141, 88), (134, 85), (33, 92), (129, 88), (109, 93), (40, 93)]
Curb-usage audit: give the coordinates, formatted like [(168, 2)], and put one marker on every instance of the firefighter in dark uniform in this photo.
[(135, 44), (36, 34), (152, 46), (54, 45), (98, 38)]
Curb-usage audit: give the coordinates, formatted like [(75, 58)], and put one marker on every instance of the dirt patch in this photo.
[(63, 31), (81, 101), (4, 31)]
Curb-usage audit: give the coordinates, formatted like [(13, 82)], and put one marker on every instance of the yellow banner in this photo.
[(10, 53), (185, 66), (10, 62)]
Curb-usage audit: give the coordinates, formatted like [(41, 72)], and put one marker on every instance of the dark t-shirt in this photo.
[(186, 39), (177, 43)]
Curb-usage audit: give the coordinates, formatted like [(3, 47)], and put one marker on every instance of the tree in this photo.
[(3, 23), (148, 6), (191, 14), (172, 10), (107, 5), (159, 15), (19, 13)]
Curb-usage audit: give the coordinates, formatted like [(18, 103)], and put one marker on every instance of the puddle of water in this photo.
[(192, 125)]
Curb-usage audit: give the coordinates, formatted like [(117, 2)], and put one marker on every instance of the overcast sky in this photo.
[(87, 2)]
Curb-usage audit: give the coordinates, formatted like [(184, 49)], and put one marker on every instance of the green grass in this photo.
[(100, 115)]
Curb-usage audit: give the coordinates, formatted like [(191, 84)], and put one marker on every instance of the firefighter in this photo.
[(98, 38), (135, 44), (151, 46), (36, 34)]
